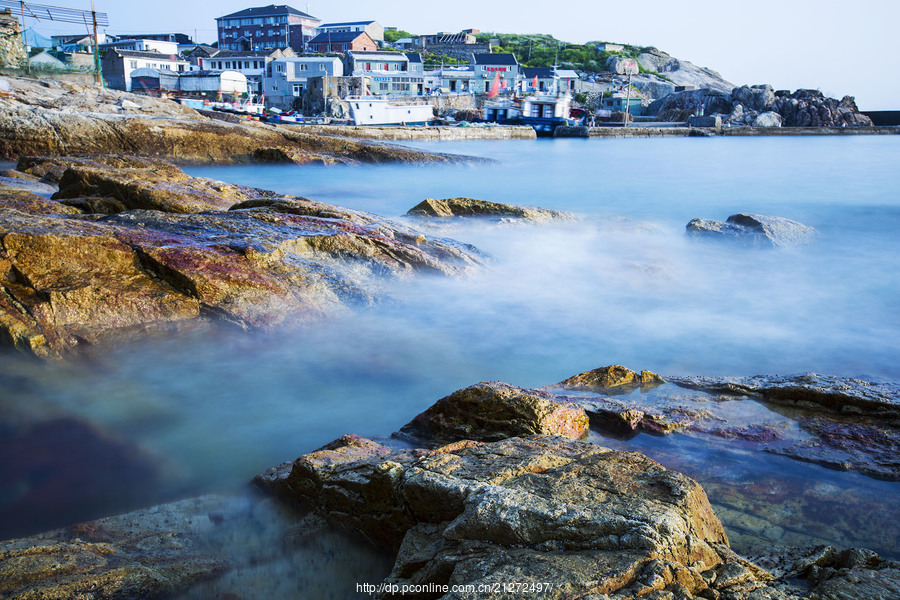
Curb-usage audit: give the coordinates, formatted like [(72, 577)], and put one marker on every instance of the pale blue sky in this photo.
[(836, 46)]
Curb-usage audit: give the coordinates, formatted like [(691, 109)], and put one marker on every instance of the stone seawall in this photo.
[(498, 132), (684, 131), (750, 131), (623, 132)]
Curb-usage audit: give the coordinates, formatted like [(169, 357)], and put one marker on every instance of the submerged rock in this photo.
[(754, 230), (470, 207)]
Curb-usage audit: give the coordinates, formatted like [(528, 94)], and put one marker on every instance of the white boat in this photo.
[(390, 110)]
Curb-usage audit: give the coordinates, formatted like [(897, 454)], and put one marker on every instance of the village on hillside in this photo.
[(277, 62), (283, 58)]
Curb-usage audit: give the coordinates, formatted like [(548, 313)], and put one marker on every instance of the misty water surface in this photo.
[(623, 285)]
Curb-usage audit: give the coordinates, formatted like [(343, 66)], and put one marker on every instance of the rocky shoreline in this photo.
[(497, 489)]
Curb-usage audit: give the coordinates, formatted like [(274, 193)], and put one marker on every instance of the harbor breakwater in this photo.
[(641, 131), (425, 133)]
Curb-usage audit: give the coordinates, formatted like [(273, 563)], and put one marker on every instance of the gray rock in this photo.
[(767, 119), (682, 72), (757, 97), (754, 230)]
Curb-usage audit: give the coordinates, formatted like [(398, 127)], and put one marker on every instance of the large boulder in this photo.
[(494, 410), (759, 98), (759, 231), (570, 516), (767, 119)]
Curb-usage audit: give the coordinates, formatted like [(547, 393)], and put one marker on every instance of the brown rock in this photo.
[(491, 411), (27, 202), (470, 207), (573, 517), (166, 190), (72, 281), (68, 119), (605, 379)]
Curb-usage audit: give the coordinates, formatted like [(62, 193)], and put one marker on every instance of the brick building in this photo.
[(342, 41), (260, 28)]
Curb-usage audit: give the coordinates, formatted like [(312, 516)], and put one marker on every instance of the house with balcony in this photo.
[(287, 78), (340, 42), (546, 80), (487, 67), (260, 28), (375, 31), (388, 72)]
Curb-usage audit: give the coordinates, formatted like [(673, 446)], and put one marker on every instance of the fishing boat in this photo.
[(390, 110)]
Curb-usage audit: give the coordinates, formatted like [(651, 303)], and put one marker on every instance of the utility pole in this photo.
[(627, 99), (98, 76), (24, 40)]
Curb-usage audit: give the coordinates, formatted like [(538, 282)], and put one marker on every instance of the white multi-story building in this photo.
[(389, 72)]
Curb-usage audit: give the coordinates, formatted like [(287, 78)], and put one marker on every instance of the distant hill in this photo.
[(660, 72)]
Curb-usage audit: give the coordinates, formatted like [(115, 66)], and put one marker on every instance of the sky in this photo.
[(837, 47)]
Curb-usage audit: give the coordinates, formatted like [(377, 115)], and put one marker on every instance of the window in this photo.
[(323, 67), (298, 89), (132, 64), (279, 68)]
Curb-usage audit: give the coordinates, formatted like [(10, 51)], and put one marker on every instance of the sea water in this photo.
[(620, 285)]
